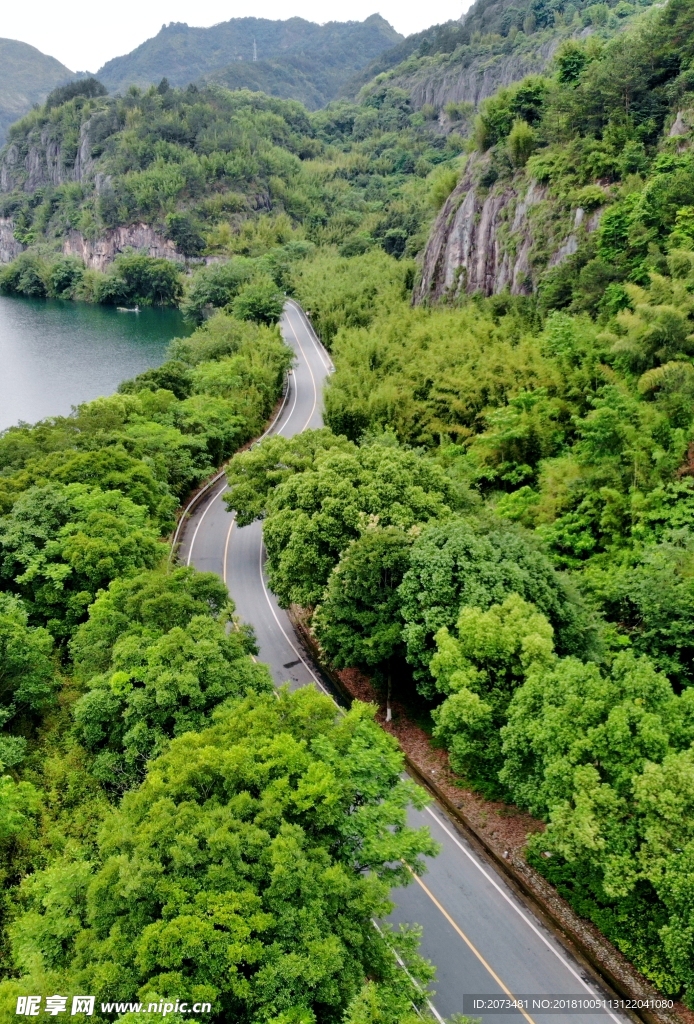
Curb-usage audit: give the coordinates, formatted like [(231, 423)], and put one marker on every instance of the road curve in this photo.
[(478, 933)]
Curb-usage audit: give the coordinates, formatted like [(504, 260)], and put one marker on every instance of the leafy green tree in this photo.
[(141, 279), (570, 59), (664, 800), (88, 87), (652, 332), (522, 101), (25, 276), (110, 468), (182, 229), (65, 276), (173, 375), (432, 374), (28, 680), (521, 142), (266, 846), (649, 593), (254, 475), (161, 686), (216, 286), (20, 807), (341, 292), (148, 604), (583, 750), (358, 621), (572, 722), (62, 543), (313, 515), (260, 300), (466, 563), (478, 671)]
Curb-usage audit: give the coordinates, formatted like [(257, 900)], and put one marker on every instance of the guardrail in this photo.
[(199, 495), (204, 490)]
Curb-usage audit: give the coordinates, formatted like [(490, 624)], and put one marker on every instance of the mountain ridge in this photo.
[(26, 77), (300, 59), (495, 43)]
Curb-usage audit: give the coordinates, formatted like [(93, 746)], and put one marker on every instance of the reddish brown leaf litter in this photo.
[(503, 831), (505, 828)]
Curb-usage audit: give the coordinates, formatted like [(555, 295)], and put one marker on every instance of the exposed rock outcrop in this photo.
[(46, 163), (9, 246), (97, 254), (455, 83), (483, 238)]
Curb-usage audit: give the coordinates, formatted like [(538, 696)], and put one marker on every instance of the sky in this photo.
[(84, 34)]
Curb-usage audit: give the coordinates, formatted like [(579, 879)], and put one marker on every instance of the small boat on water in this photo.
[(126, 309)]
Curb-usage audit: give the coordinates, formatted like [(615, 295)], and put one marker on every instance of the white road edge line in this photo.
[(199, 522), (414, 981), (325, 359), (226, 549), (212, 501), (291, 411), (313, 379), (517, 909), (276, 420), (284, 633)]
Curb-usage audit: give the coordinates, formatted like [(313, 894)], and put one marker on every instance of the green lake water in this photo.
[(54, 355)]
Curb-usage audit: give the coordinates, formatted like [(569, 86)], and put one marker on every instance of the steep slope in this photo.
[(493, 45), (301, 59), (291, 78), (26, 78), (580, 185), (213, 173)]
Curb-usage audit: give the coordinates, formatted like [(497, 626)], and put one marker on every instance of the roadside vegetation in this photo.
[(123, 683), (496, 521)]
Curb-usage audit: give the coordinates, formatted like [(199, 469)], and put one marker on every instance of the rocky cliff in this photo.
[(46, 162), (454, 81), (97, 254), (9, 246), (496, 237)]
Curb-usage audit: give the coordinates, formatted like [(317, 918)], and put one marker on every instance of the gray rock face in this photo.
[(465, 252), (482, 239), (679, 127), (97, 254), (9, 246), (475, 83), (46, 163)]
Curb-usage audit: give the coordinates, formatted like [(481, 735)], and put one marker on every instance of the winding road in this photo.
[(482, 938)]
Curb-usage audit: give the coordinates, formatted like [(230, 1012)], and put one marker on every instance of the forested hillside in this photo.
[(495, 43), (26, 78), (163, 816), (219, 173), (501, 508), (496, 524), (294, 53)]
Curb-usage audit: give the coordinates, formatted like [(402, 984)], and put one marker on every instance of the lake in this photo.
[(54, 355)]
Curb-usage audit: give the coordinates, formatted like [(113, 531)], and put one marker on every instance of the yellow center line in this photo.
[(469, 944)]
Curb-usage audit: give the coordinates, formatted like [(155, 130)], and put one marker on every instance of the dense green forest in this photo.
[(500, 510), (292, 58), (156, 797), (497, 521), (26, 77), (222, 173)]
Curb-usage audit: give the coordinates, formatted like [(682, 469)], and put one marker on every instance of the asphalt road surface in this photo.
[(481, 937)]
